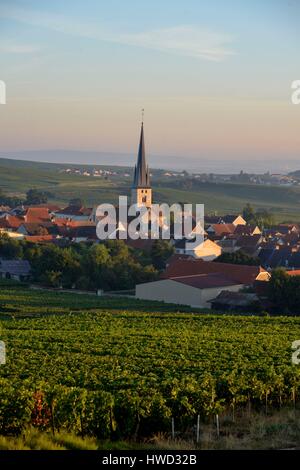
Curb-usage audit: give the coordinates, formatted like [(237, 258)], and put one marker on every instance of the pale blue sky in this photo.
[(214, 76)]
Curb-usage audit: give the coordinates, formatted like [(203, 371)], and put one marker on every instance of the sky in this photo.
[(214, 77)]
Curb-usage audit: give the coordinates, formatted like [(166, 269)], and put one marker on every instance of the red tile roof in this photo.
[(223, 229), (35, 228), (206, 281), (238, 273), (176, 257), (39, 238), (50, 207), (295, 272), (75, 228), (76, 211), (65, 222), (37, 215), (11, 221), (61, 222)]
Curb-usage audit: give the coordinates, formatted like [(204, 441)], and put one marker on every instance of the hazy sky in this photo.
[(213, 76)]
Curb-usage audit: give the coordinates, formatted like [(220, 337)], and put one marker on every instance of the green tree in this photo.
[(261, 217), (278, 290), (9, 248), (51, 278), (264, 219), (34, 196), (71, 268), (248, 213), (239, 257), (161, 250), (95, 265), (76, 202), (9, 201)]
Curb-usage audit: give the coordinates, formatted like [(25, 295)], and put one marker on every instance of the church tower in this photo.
[(141, 192)]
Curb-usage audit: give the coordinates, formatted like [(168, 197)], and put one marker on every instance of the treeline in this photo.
[(261, 217), (238, 257), (33, 196), (9, 200), (284, 292), (110, 265)]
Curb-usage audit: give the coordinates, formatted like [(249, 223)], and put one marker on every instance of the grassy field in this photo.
[(121, 368), (231, 198), (279, 430), (16, 177)]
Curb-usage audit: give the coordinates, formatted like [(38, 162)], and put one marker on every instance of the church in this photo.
[(141, 192), (138, 228)]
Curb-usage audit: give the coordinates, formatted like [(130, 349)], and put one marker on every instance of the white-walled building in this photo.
[(195, 291), (206, 250)]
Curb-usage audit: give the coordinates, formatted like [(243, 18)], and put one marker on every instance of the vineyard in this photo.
[(85, 365)]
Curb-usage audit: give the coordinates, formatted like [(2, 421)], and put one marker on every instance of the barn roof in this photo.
[(241, 274), (15, 267), (206, 281)]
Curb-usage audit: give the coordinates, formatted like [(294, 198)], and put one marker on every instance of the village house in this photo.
[(195, 282), (195, 291), (37, 215), (40, 228), (10, 223), (234, 219), (247, 230), (283, 256), (4, 210), (245, 274), (18, 270), (225, 219), (206, 250), (213, 219), (250, 245), (75, 213), (236, 301), (220, 231)]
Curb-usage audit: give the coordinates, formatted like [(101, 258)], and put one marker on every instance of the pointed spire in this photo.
[(141, 173)]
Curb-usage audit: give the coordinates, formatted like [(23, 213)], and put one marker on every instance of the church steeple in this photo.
[(141, 192), (141, 170)]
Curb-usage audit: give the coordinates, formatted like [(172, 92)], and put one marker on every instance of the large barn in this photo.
[(195, 282)]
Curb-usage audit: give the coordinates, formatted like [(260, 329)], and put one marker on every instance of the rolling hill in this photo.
[(17, 176)]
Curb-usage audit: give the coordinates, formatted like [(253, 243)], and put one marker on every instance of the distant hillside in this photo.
[(17, 176), (202, 163), (78, 157), (295, 174)]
